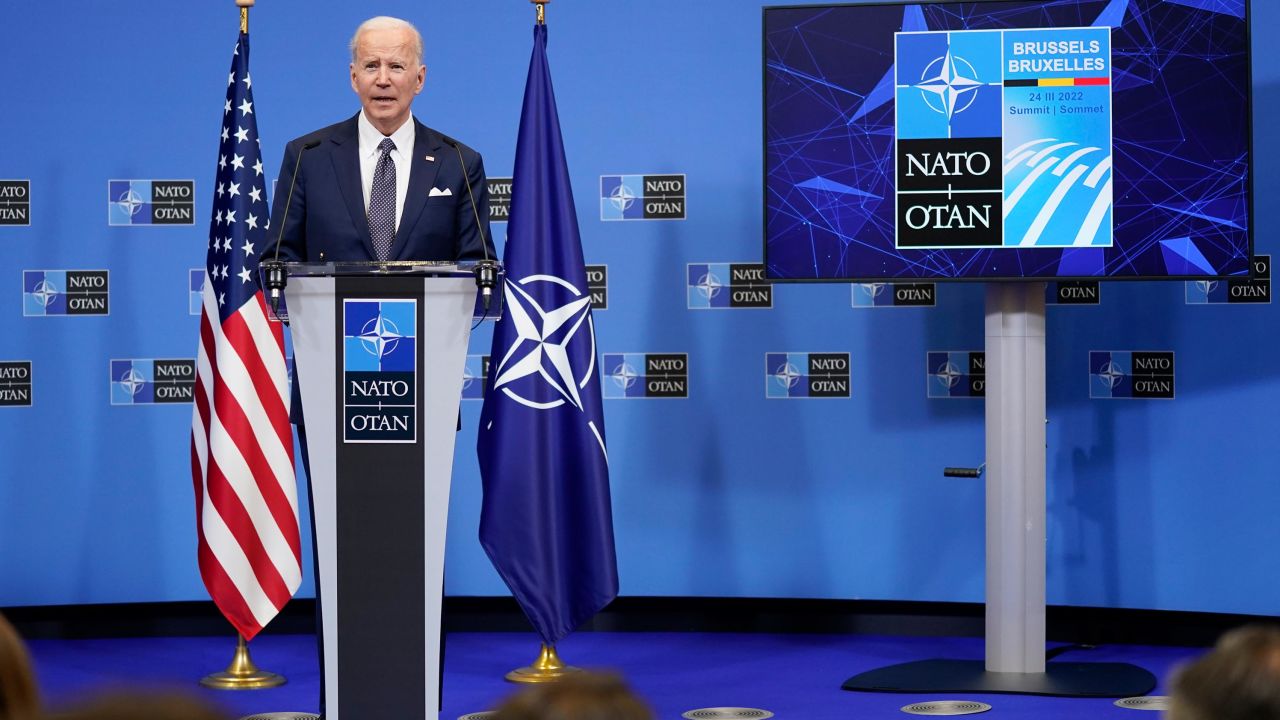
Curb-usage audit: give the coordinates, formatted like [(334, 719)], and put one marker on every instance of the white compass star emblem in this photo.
[(132, 381), (787, 375), (1111, 374), (622, 197), (45, 292), (542, 340), (949, 374), (951, 88), (379, 336), (709, 285)]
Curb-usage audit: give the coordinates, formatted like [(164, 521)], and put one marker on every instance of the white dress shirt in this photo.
[(370, 138)]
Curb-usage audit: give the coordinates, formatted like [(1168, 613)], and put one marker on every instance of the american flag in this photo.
[(241, 443)]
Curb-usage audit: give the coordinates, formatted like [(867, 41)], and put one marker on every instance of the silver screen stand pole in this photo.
[(1015, 429)]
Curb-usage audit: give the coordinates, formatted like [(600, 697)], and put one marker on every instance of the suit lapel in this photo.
[(422, 177), (346, 167)]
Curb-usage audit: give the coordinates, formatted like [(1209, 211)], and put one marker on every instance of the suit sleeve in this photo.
[(293, 239), (473, 239)]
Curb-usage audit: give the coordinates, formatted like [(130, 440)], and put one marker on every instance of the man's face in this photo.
[(386, 77)]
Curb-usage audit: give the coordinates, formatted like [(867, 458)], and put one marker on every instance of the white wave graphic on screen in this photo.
[(1045, 162)]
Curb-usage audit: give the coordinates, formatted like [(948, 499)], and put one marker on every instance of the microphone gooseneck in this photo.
[(486, 271), (273, 268)]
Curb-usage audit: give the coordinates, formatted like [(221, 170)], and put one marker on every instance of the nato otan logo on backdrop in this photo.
[(598, 286), (1119, 374), (475, 376), (956, 374), (499, 198), (379, 371), (152, 382), (642, 197), (806, 375), (15, 383), (874, 295), (645, 375), (15, 202), (151, 202), (723, 286), (1255, 290), (65, 292), (1072, 292)]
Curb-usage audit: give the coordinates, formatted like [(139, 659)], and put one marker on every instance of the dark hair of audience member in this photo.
[(580, 696), (19, 699), (1238, 680)]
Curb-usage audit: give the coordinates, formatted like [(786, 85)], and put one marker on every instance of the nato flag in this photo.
[(546, 521)]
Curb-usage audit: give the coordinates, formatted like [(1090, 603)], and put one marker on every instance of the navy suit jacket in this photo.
[(327, 220)]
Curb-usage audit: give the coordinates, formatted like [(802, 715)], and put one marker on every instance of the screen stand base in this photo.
[(1063, 679)]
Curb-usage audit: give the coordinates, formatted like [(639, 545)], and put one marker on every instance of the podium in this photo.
[(379, 350)]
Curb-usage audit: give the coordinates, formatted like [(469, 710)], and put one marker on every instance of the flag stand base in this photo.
[(242, 674), (547, 668)]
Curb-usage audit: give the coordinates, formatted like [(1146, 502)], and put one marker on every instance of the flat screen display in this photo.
[(1037, 140)]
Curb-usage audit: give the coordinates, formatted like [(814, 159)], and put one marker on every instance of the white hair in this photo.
[(383, 22)]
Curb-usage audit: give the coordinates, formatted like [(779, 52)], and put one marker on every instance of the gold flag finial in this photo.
[(244, 6), (542, 15)]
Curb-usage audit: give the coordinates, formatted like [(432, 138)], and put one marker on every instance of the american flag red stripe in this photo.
[(249, 549)]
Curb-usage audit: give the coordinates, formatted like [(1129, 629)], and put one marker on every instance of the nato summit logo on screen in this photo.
[(1003, 138), (1118, 374), (642, 197), (152, 382), (15, 383), (151, 202), (806, 375), (721, 286), (65, 292), (15, 202), (379, 371), (629, 376)]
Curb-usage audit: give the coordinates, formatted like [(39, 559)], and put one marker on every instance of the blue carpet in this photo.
[(795, 676)]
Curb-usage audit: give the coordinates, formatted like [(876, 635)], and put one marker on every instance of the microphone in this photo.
[(273, 268), (486, 270)]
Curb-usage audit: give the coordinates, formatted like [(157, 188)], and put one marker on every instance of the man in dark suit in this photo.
[(381, 185)]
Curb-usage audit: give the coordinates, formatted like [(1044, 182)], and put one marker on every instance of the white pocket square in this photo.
[(437, 192)]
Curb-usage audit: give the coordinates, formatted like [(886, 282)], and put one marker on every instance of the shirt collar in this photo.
[(371, 137)]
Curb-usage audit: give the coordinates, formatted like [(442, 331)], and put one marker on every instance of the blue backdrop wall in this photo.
[(1152, 503)]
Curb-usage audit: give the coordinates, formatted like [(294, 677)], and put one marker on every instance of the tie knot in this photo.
[(387, 145)]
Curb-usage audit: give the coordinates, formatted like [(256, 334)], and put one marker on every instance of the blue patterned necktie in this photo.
[(382, 201)]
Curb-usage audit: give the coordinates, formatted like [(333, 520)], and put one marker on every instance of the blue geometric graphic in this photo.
[(380, 335), (621, 197), (44, 292), (132, 382), (623, 375), (128, 202)]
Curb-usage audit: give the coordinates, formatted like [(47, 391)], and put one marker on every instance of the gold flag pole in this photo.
[(548, 667), (242, 674)]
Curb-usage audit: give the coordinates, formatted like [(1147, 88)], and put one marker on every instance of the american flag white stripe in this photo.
[(226, 452), (237, 381), (241, 442)]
